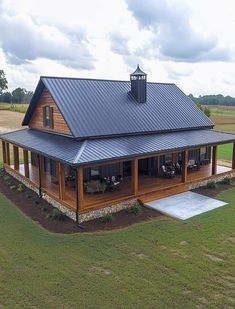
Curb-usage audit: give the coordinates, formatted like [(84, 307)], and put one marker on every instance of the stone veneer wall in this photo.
[(98, 213)]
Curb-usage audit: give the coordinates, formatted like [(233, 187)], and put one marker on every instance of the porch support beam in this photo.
[(80, 187), (43, 174), (233, 159), (26, 162), (135, 176), (8, 157), (61, 177), (214, 159), (184, 165), (4, 154), (16, 157)]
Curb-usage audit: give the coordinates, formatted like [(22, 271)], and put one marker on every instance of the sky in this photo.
[(189, 43)]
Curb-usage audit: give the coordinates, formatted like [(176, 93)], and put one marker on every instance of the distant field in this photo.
[(9, 121), (21, 108)]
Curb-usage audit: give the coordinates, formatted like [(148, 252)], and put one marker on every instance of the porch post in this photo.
[(4, 155), (80, 187), (43, 175), (214, 159), (233, 159), (16, 157), (39, 176), (26, 163), (8, 158), (61, 177), (135, 176), (184, 165)]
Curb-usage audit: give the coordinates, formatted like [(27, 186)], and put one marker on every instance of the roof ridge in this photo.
[(78, 156), (99, 79)]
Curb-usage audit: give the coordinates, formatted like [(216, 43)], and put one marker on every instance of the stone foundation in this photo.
[(98, 213)]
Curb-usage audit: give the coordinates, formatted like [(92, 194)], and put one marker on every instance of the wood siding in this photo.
[(59, 124)]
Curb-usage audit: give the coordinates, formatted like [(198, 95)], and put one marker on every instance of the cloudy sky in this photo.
[(190, 43)]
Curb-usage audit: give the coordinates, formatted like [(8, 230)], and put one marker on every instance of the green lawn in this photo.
[(159, 264), (225, 151)]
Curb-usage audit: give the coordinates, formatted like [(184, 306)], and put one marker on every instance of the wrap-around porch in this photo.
[(93, 186)]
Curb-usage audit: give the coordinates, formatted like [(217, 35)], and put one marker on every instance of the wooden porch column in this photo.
[(214, 159), (8, 158), (26, 162), (42, 171), (4, 154), (135, 176), (80, 187), (16, 157), (61, 177), (184, 165), (233, 159)]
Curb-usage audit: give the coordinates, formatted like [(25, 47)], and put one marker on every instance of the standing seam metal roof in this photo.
[(74, 152), (94, 108)]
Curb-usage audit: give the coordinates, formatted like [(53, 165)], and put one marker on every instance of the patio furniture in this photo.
[(113, 183), (95, 186), (168, 171), (70, 181), (193, 165)]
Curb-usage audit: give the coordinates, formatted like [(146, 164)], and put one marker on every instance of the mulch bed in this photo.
[(214, 192), (37, 209)]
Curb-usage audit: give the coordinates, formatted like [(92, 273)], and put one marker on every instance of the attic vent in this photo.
[(138, 85)]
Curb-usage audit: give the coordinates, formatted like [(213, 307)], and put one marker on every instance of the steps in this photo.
[(148, 197)]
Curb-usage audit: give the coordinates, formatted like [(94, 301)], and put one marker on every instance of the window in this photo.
[(48, 117), (95, 171), (168, 158), (50, 166)]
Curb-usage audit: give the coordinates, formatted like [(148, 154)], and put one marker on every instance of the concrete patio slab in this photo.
[(185, 205)]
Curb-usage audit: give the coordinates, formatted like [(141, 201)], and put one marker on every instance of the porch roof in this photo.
[(74, 152)]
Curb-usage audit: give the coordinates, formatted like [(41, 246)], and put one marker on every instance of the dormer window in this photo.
[(48, 117)]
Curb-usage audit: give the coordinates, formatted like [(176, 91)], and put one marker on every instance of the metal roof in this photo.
[(74, 152), (98, 108), (138, 71)]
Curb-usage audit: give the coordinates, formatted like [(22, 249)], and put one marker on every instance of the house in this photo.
[(94, 146)]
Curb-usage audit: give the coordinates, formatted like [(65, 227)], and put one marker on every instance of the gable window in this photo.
[(48, 117)]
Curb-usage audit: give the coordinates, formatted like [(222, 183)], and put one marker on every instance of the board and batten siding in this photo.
[(59, 124)]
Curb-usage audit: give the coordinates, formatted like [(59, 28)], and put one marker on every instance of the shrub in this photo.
[(56, 215), (211, 185), (226, 181), (7, 178), (20, 187), (13, 187), (135, 209), (107, 218)]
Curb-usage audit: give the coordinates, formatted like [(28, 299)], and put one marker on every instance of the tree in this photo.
[(5, 97), (205, 110), (3, 81), (18, 95), (28, 96)]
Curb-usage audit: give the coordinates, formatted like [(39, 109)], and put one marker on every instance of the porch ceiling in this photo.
[(74, 152)]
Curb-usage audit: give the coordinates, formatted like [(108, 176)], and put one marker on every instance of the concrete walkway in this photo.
[(185, 205)]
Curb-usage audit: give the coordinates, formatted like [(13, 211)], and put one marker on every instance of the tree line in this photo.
[(218, 99), (18, 95)]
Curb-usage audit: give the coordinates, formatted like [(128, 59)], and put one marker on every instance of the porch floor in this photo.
[(147, 184)]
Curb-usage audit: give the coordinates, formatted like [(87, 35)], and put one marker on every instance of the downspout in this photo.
[(77, 200), (39, 177)]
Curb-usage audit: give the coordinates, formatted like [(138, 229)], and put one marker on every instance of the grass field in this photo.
[(159, 264), (20, 108)]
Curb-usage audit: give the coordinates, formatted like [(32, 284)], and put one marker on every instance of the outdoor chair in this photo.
[(168, 172)]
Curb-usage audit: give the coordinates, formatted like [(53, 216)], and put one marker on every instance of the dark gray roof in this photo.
[(138, 71), (93, 108), (75, 152)]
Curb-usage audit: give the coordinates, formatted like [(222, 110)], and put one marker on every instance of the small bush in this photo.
[(211, 185), (135, 209), (56, 215), (13, 187), (226, 181), (107, 218), (20, 187), (7, 178)]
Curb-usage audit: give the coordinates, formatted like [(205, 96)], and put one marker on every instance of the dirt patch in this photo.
[(37, 209), (100, 270), (213, 258), (183, 243)]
